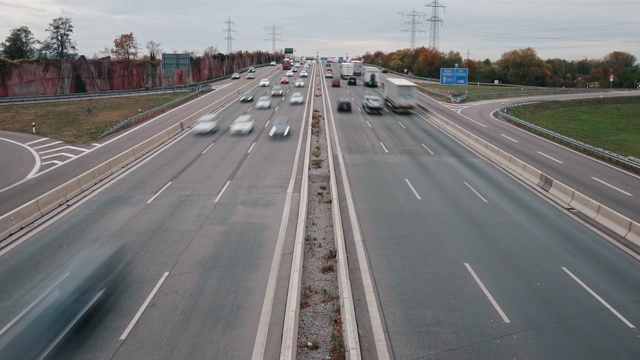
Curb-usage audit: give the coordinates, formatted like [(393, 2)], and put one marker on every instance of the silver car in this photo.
[(264, 102), (280, 127), (243, 125), (264, 83), (299, 83), (296, 98), (207, 124)]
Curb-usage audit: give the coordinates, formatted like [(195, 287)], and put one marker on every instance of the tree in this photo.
[(19, 44), (125, 47), (154, 50), (210, 50), (523, 67), (59, 44)]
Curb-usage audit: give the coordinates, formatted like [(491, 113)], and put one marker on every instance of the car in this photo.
[(251, 76), (263, 103), (296, 98), (273, 63), (289, 74), (330, 70), (384, 70), (206, 124), (242, 125), (236, 75), (252, 69), (371, 104), (284, 80), (277, 91), (299, 83), (344, 104), (247, 97), (335, 83), (280, 127), (329, 64), (328, 75), (352, 81), (264, 83), (304, 74), (294, 70)]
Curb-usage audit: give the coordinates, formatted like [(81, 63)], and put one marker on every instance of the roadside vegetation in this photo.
[(611, 123), (68, 121)]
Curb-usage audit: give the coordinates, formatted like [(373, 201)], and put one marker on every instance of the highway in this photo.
[(449, 257), (202, 220), (468, 263)]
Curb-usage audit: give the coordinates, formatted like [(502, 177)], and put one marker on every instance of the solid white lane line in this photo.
[(158, 193), (222, 192), (36, 141), (505, 136), (4, 329), (549, 157), (474, 190), (412, 189), (385, 149), (599, 298), (143, 307), (368, 123), (251, 148), (611, 186), (208, 147), (486, 292), (429, 150), (401, 125), (53, 143)]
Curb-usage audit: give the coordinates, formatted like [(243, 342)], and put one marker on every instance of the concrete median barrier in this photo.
[(531, 174), (58, 196), (585, 205), (122, 160), (19, 218), (503, 157), (562, 192), (94, 175), (516, 165), (634, 234), (613, 221), (144, 147)]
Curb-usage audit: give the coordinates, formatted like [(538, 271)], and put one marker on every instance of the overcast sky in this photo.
[(481, 29)]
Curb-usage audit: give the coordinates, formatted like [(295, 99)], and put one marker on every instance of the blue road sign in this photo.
[(323, 58), (454, 76)]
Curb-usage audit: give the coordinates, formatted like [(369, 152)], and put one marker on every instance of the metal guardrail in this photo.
[(627, 162)]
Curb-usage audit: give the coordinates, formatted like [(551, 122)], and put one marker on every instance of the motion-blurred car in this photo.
[(304, 74), (277, 91), (328, 65), (252, 69), (251, 76), (207, 124), (236, 75), (352, 81), (294, 70), (344, 104), (273, 63), (299, 83), (263, 103), (280, 127), (335, 83), (328, 75), (296, 98), (289, 73), (243, 125), (385, 70), (372, 104), (264, 83), (284, 80), (247, 97)]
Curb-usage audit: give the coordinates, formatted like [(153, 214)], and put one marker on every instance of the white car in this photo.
[(251, 75), (273, 63), (236, 75), (207, 124), (289, 73), (296, 98), (304, 74), (264, 83), (242, 125), (299, 83), (264, 102)]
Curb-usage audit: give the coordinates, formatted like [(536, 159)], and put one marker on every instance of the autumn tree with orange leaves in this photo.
[(125, 47)]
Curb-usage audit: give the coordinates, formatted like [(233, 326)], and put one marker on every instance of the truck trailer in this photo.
[(371, 76), (357, 67), (399, 95), (346, 70)]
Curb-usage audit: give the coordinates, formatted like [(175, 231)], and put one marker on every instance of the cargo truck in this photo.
[(371, 76), (357, 67), (399, 95), (346, 70)]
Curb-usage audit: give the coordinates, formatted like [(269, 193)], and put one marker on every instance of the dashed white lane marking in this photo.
[(36, 141), (429, 150), (477, 193), (208, 147), (251, 148), (549, 157), (63, 148), (158, 193), (505, 136), (143, 307), (412, 189), (222, 192), (368, 123), (616, 313), (46, 145), (401, 125), (385, 149), (58, 154), (488, 294), (611, 186)]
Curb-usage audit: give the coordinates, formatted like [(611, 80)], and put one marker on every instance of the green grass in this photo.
[(67, 121), (610, 123)]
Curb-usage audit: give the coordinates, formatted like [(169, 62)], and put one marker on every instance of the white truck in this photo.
[(399, 95), (371, 76), (346, 70), (357, 67)]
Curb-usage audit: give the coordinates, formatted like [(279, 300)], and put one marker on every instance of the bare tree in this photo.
[(154, 50)]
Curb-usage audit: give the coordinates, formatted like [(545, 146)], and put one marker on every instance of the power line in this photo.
[(413, 23), (434, 39), (229, 31), (272, 32)]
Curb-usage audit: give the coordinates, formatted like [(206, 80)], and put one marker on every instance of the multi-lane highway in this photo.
[(450, 257)]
